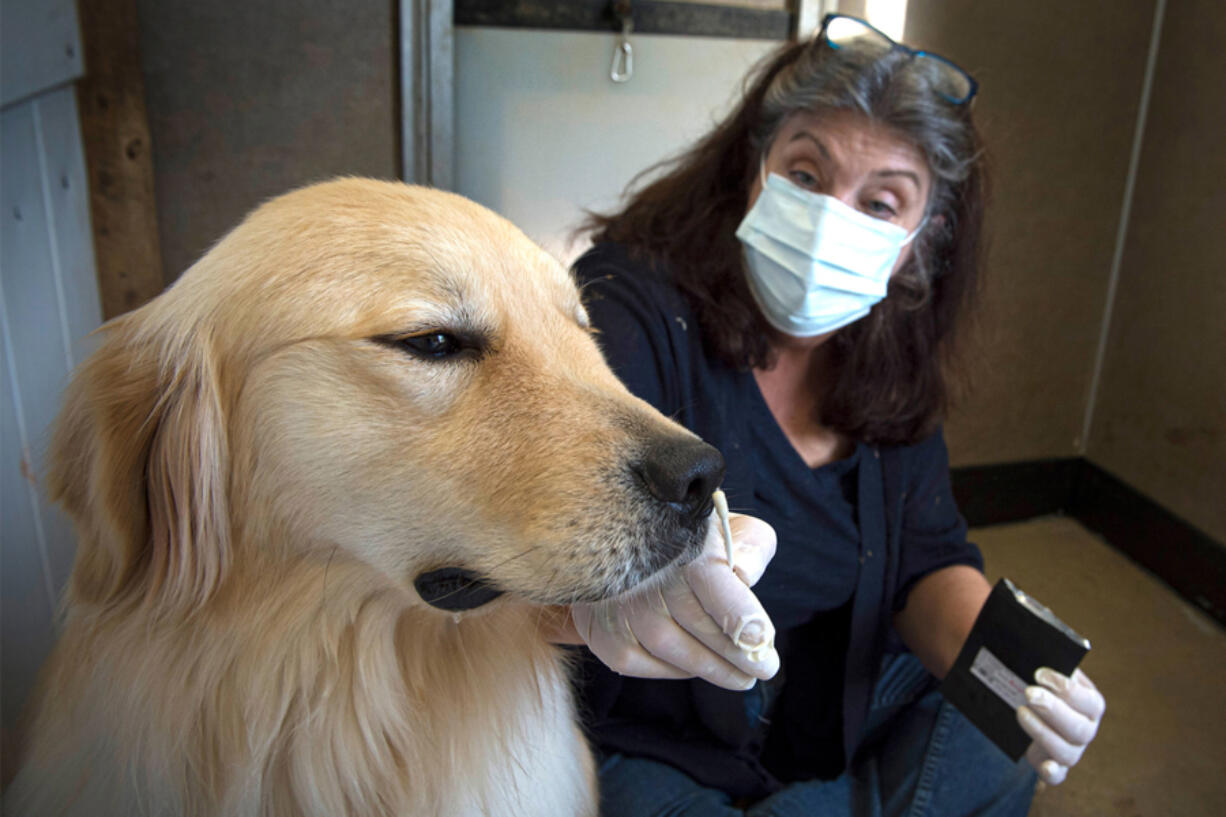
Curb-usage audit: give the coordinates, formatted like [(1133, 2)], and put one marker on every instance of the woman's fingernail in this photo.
[(1050, 678), (1035, 695), (1052, 772), (751, 636)]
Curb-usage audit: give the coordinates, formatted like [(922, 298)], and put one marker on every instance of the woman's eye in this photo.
[(879, 209), (803, 178)]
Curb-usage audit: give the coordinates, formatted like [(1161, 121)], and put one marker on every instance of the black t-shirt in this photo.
[(813, 512)]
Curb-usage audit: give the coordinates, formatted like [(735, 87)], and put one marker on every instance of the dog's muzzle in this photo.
[(455, 588)]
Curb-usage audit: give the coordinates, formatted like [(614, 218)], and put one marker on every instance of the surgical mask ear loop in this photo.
[(914, 232)]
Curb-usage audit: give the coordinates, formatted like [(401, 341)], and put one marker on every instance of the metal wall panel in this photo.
[(48, 305), (40, 47), (25, 607), (427, 97)]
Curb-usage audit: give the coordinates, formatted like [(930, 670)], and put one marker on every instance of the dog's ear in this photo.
[(139, 459)]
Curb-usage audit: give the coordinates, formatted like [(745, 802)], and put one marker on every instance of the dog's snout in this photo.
[(682, 473)]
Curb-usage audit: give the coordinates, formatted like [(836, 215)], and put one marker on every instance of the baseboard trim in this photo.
[(1178, 553), (1011, 492)]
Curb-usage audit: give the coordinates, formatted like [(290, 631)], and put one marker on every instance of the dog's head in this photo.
[(388, 373)]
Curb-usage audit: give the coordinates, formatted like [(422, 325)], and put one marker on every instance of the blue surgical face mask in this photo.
[(815, 264)]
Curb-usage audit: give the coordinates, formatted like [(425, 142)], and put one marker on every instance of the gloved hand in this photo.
[(700, 621), (1062, 716)]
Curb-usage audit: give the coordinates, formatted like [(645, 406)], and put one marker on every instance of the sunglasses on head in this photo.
[(950, 81)]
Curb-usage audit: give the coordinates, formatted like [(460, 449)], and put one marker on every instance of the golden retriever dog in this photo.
[(324, 487)]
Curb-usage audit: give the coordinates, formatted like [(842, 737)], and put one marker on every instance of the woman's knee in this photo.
[(640, 787)]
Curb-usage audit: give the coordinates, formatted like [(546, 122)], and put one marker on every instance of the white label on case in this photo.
[(999, 678)]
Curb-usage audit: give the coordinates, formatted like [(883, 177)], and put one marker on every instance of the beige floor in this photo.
[(1160, 663)]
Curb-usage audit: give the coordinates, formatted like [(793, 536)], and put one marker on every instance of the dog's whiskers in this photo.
[(323, 590), (553, 577), (512, 558)]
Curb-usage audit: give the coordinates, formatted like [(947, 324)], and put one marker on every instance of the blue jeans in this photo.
[(919, 758)]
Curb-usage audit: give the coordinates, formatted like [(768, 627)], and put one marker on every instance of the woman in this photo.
[(791, 289)]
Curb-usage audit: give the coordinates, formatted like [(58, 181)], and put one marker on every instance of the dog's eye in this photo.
[(434, 345)]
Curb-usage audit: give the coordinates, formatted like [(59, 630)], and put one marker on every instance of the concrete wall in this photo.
[(1059, 93), (249, 100), (1160, 418)]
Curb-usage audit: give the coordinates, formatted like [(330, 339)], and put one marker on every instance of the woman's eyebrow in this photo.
[(909, 174), (804, 134)]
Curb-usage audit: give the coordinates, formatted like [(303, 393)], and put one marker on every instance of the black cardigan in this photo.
[(909, 526)]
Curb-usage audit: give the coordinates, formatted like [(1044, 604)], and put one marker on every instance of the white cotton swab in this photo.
[(721, 509), (760, 645)]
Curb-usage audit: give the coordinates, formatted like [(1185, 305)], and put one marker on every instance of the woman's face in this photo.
[(864, 164)]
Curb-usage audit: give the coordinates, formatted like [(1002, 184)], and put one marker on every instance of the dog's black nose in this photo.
[(683, 473)]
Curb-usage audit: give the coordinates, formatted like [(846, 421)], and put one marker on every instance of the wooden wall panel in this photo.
[(115, 130)]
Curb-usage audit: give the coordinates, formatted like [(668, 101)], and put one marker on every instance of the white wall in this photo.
[(542, 132)]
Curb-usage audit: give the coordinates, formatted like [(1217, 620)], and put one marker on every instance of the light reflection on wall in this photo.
[(890, 16)]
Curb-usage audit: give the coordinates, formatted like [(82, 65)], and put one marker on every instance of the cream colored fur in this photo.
[(257, 472)]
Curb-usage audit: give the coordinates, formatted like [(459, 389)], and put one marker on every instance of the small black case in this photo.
[(1013, 636)]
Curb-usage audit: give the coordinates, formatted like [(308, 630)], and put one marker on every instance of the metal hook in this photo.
[(623, 62), (623, 53)]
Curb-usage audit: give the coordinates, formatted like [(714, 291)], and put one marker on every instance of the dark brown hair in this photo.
[(894, 369)]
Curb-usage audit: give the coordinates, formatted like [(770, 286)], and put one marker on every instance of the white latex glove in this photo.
[(1062, 716), (687, 622)]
